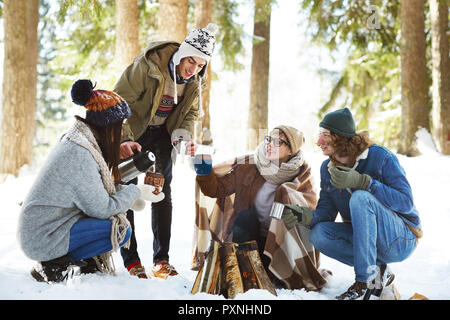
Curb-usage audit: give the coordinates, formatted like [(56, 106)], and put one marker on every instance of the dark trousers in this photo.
[(158, 141), (246, 228)]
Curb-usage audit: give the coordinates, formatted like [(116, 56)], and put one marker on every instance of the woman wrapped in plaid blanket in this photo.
[(233, 203)]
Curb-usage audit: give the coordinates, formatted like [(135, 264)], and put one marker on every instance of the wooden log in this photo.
[(211, 272), (215, 280), (198, 280), (247, 272), (207, 270), (207, 277), (230, 269), (219, 285), (231, 276), (255, 267), (261, 274)]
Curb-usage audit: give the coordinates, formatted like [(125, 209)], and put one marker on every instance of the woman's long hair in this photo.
[(349, 147), (109, 139)]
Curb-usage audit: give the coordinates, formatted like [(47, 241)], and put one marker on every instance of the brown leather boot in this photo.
[(137, 270), (162, 269)]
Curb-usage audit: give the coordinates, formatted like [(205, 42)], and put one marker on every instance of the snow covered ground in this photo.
[(426, 272)]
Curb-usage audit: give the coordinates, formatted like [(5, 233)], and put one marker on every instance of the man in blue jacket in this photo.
[(365, 183)]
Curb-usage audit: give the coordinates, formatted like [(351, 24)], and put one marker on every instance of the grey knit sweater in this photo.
[(68, 187)]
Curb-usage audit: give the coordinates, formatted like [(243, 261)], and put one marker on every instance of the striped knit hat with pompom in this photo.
[(103, 107)]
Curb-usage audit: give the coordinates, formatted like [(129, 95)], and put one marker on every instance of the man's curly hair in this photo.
[(349, 147)]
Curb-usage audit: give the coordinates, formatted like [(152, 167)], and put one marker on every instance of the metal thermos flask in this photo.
[(138, 164)]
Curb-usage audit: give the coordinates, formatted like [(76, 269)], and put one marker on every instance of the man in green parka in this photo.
[(163, 89)]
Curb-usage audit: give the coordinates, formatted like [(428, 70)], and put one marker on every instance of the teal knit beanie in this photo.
[(340, 122)]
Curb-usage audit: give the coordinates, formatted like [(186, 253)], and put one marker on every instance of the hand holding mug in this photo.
[(202, 164)]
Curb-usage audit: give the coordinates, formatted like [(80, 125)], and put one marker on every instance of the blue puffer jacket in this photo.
[(389, 185)]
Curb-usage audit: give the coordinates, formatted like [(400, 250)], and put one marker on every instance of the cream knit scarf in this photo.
[(82, 135), (277, 173)]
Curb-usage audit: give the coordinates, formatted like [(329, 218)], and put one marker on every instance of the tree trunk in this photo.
[(259, 81), (203, 15), (172, 20), (414, 78), (441, 74), (127, 31), (19, 84)]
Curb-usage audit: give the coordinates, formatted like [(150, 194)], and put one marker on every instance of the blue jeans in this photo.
[(375, 236), (90, 237)]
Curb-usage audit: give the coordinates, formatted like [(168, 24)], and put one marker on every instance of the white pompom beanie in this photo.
[(199, 43)]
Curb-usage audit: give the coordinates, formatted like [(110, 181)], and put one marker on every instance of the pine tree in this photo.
[(172, 20), (19, 84), (203, 16), (414, 78), (441, 74), (259, 82), (127, 33)]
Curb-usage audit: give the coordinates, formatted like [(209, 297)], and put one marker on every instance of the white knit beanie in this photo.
[(199, 43)]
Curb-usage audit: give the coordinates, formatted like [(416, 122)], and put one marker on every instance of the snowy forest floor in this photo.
[(426, 271)]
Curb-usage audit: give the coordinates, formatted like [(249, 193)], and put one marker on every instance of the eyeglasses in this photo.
[(276, 141)]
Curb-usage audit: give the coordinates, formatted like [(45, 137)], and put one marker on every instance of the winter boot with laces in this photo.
[(163, 270), (357, 291), (137, 269), (56, 270), (383, 283), (383, 280), (373, 290)]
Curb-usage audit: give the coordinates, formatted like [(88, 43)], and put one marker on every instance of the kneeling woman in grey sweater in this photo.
[(73, 211)]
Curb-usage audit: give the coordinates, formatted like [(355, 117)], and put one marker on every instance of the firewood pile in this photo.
[(230, 269)]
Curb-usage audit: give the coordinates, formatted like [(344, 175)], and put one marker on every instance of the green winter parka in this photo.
[(142, 86)]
